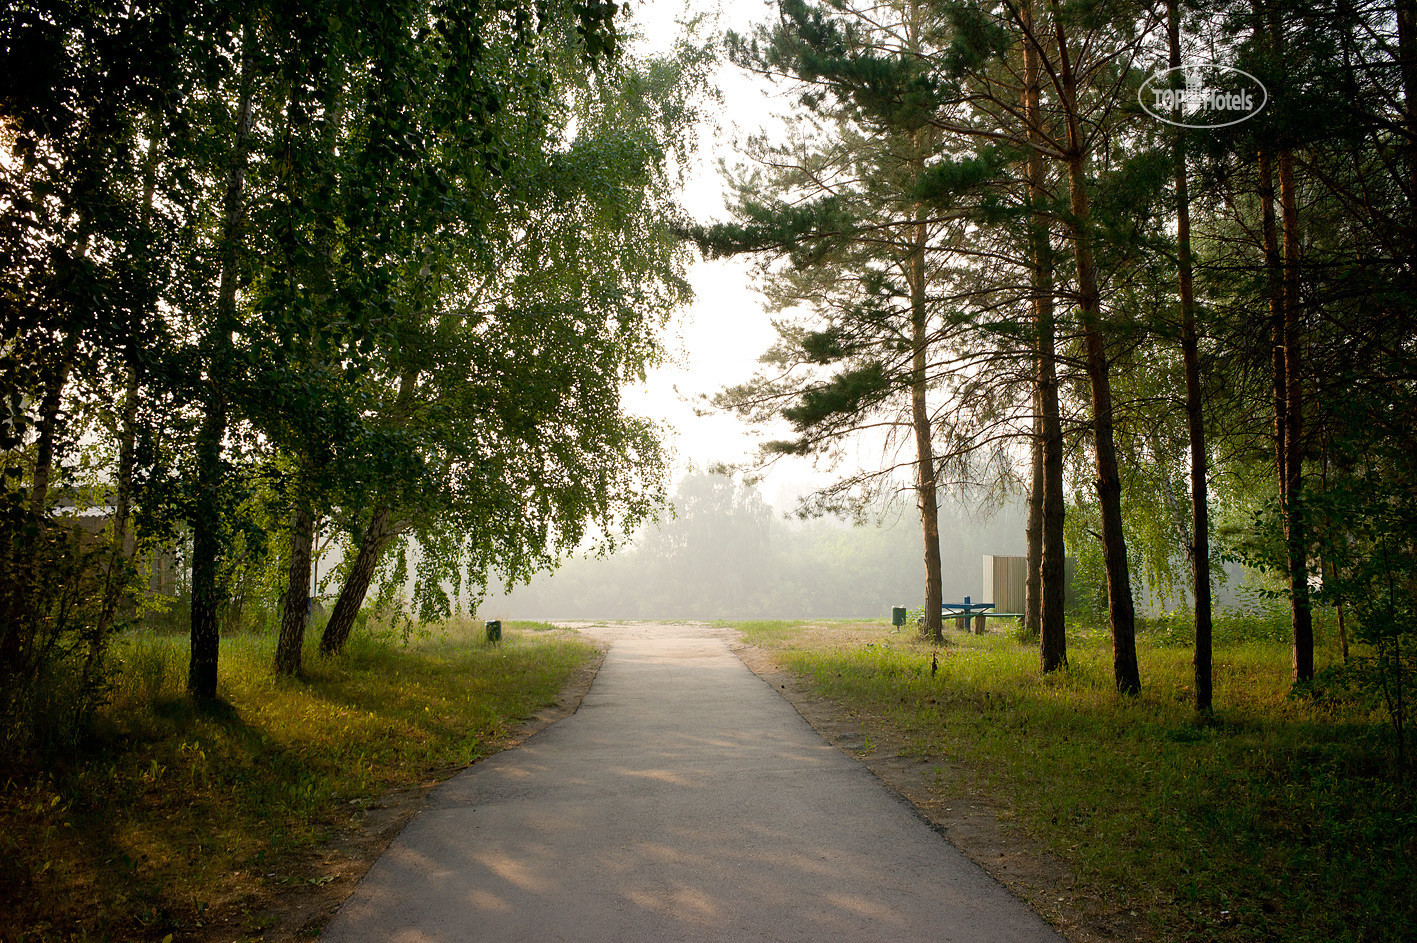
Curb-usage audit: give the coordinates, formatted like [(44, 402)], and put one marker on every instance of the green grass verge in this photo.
[(1280, 819), (170, 810)]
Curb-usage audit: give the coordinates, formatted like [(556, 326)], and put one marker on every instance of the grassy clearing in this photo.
[(1278, 820), (171, 811)]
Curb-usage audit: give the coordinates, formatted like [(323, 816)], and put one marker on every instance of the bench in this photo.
[(963, 612)]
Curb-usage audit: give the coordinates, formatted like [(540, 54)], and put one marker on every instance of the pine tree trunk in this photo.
[(207, 524), (1052, 564), (1274, 276), (1053, 637), (1279, 398), (926, 484), (1293, 504), (1109, 484), (1033, 581), (1199, 549), (1287, 457), (377, 536), (1407, 56), (1286, 329), (296, 612)]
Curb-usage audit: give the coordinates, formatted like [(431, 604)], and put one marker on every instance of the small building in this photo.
[(160, 564), (1005, 578)]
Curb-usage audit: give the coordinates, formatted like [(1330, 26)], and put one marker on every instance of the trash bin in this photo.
[(898, 616), (494, 631)]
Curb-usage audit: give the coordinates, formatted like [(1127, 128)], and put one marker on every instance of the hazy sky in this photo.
[(720, 337)]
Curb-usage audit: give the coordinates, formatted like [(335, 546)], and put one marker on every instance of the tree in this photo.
[(509, 376), (843, 207), (1311, 201), (443, 132), (81, 86), (217, 178), (1199, 549), (1047, 554), (207, 523)]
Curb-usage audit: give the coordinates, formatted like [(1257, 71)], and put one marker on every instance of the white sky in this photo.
[(720, 337)]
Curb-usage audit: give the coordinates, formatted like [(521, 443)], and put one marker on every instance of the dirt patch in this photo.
[(945, 795), (297, 897)]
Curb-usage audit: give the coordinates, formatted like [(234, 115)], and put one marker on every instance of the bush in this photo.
[(1228, 627), (59, 594)]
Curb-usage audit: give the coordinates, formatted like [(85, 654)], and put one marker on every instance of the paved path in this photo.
[(684, 801)]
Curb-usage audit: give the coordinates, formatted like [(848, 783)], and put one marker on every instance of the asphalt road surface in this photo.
[(684, 801)]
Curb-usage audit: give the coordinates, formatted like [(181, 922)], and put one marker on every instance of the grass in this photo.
[(170, 811), (1278, 819)]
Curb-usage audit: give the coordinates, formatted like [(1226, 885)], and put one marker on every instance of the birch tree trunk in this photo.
[(207, 539), (296, 611), (377, 536), (295, 615)]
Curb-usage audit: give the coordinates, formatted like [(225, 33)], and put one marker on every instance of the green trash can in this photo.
[(494, 631), (898, 616)]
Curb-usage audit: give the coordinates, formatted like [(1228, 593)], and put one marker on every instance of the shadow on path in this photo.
[(685, 800)]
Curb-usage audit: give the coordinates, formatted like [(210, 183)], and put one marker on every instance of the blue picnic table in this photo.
[(962, 612)]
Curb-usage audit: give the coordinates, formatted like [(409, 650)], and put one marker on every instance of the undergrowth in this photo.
[(168, 811)]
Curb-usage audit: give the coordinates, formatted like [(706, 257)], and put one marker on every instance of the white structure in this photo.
[(1004, 579)]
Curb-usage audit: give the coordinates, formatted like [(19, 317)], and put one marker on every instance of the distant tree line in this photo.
[(723, 553), (719, 551)]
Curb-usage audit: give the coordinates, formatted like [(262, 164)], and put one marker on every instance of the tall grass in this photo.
[(169, 810), (1280, 819)]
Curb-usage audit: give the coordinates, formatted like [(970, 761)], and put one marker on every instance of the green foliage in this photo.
[(1367, 523), (312, 249), (807, 230), (847, 246), (944, 182), (853, 391), (148, 668), (977, 37), (55, 619), (1228, 627)]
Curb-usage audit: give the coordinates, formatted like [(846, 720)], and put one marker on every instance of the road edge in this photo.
[(966, 817)]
